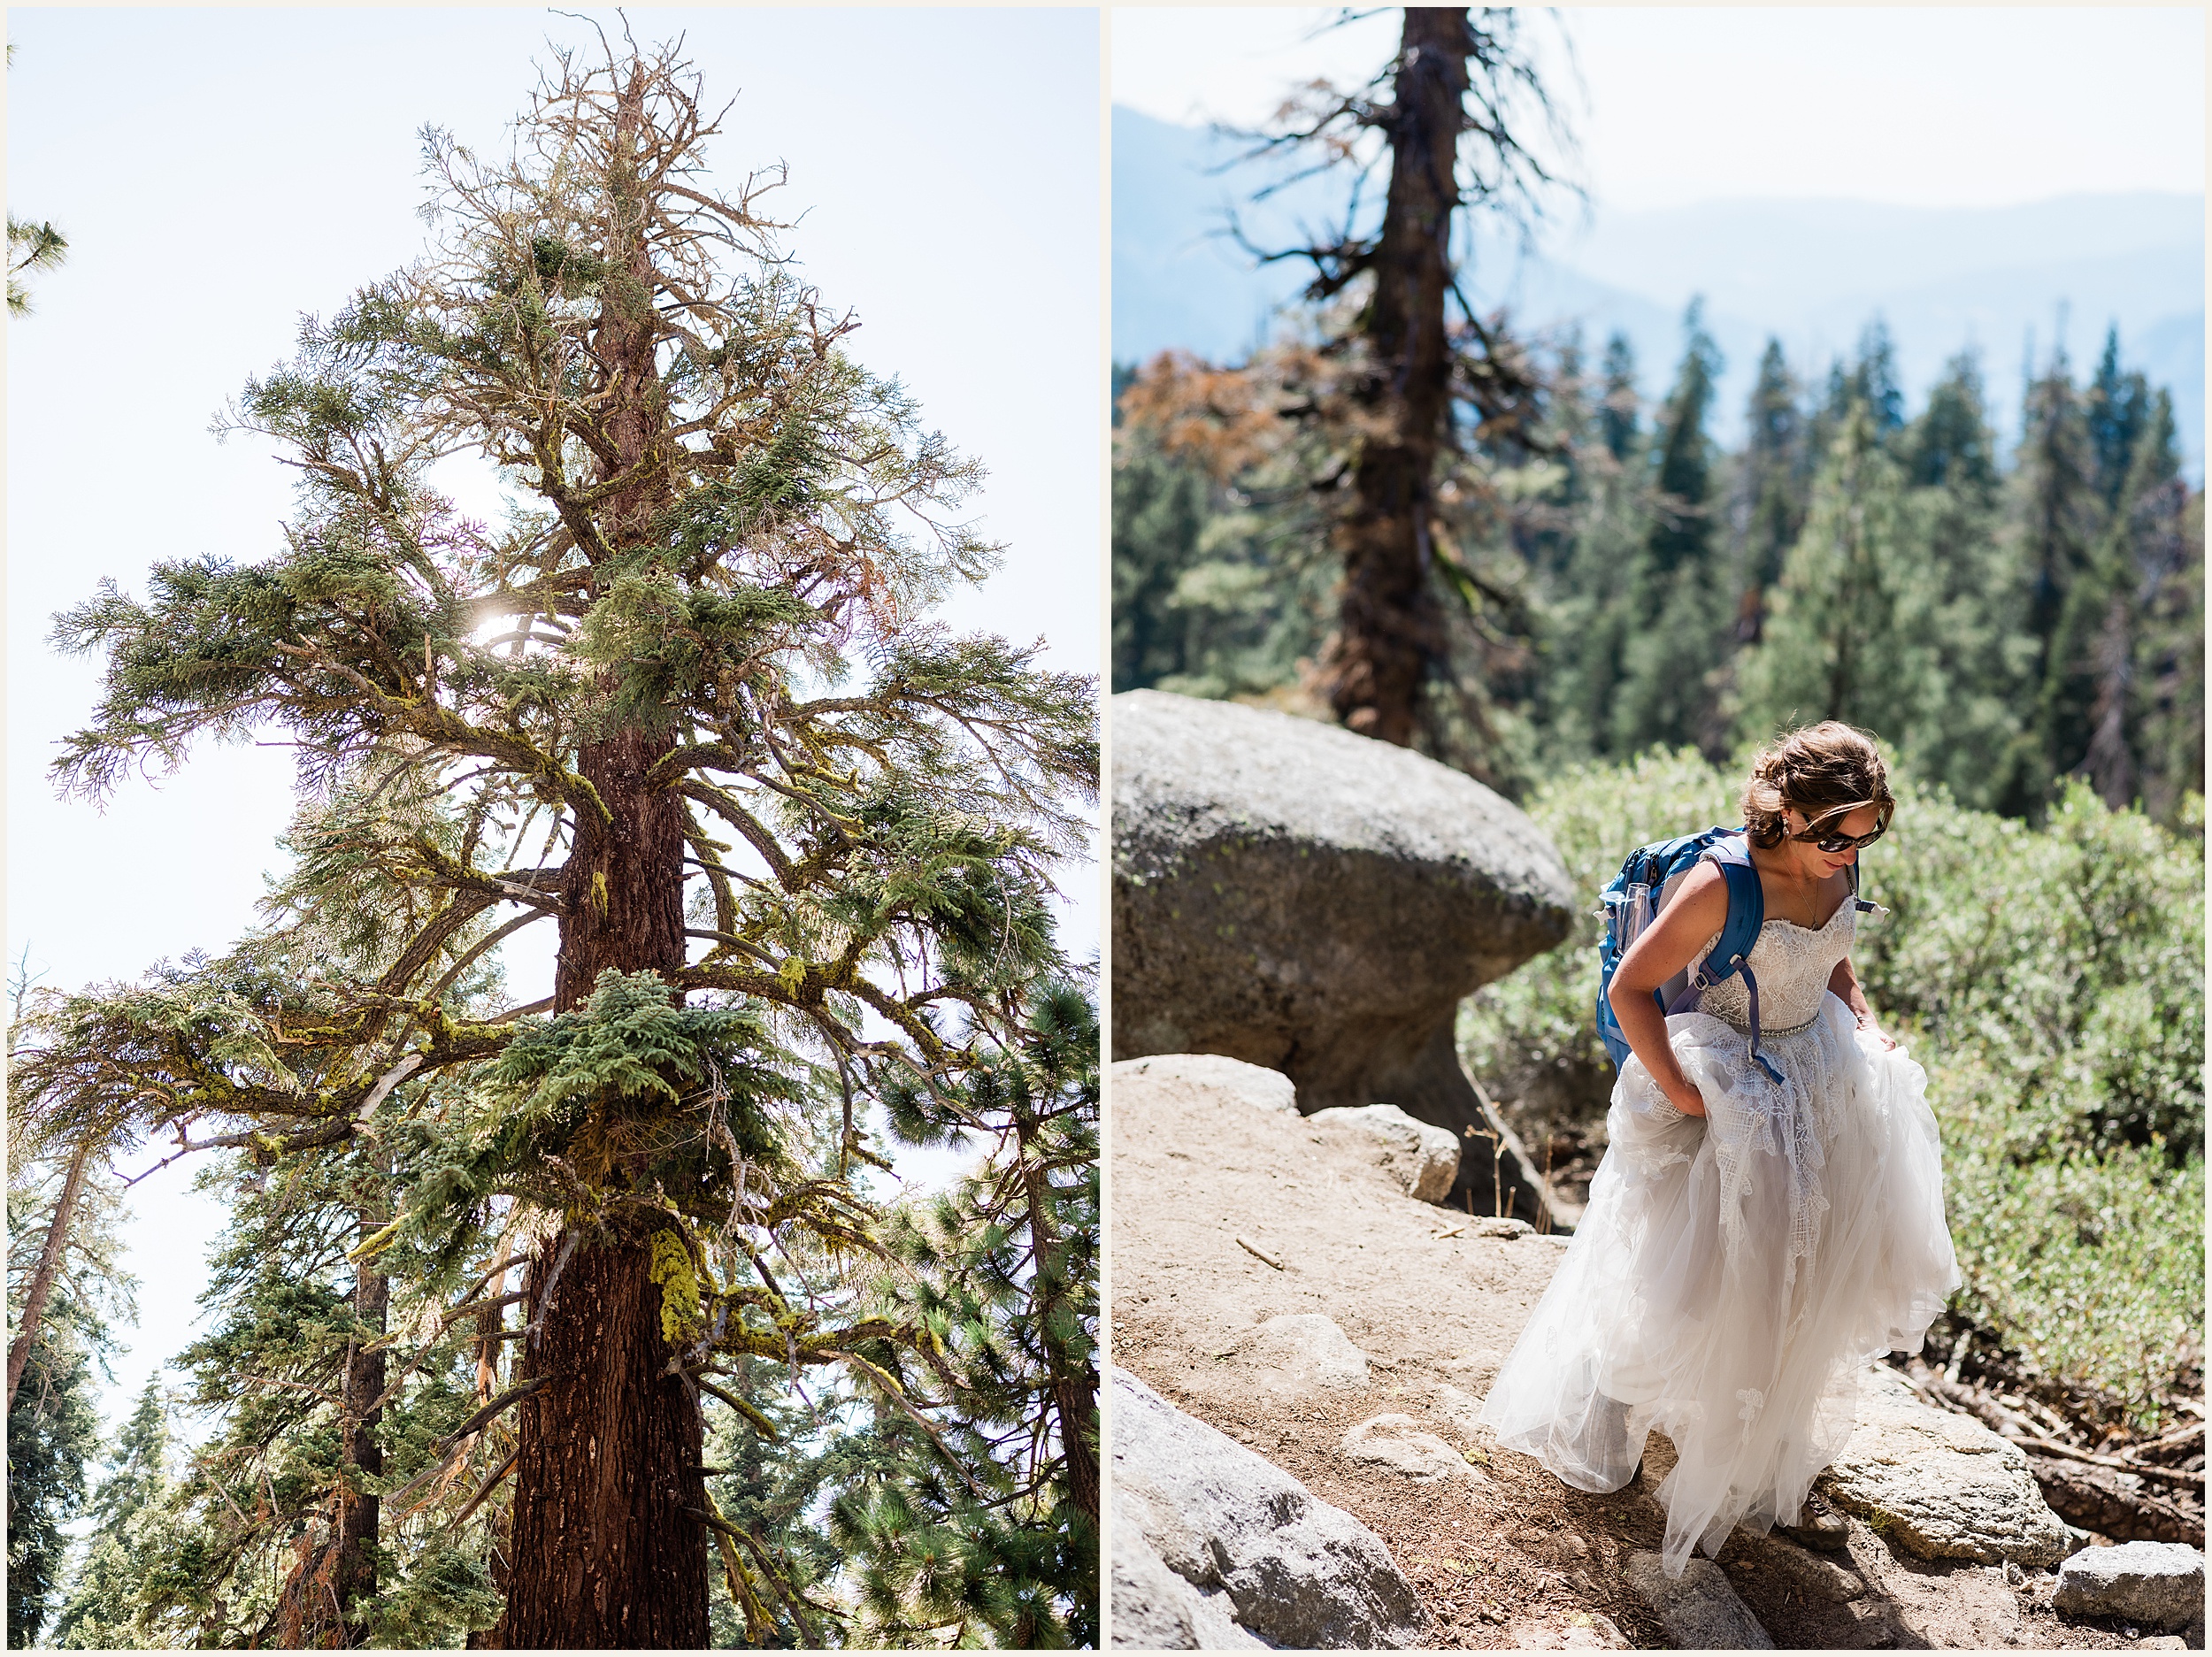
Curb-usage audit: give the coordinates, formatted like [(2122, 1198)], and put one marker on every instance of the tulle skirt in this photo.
[(1731, 1276)]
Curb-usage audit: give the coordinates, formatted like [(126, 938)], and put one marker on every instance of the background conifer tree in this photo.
[(53, 1422), (1853, 632), (1979, 599), (1873, 380), (2058, 516), (53, 1432), (1587, 622), (1001, 1267), (1679, 605), (65, 1285), (1770, 485), (1618, 419), (2092, 713), (2117, 411), (103, 1589)]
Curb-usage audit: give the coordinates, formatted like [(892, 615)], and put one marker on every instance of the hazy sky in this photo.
[(1922, 106), (217, 172)]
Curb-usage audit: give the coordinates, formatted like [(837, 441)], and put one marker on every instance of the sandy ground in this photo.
[(1508, 1557)]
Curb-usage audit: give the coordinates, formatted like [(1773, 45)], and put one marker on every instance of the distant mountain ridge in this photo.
[(1811, 273)]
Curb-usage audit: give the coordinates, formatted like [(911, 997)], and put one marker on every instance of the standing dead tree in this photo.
[(1397, 385)]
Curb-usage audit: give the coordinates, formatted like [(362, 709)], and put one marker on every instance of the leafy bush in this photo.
[(2050, 980)]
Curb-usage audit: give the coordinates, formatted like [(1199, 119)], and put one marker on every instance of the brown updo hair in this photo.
[(1823, 770)]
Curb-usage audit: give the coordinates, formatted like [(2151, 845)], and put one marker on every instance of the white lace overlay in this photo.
[(1732, 1273), (1792, 963)]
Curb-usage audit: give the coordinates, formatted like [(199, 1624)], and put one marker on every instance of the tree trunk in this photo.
[(602, 1549), (2110, 762), (1389, 624), (49, 1262), (603, 1553), (359, 1511), (1074, 1393)]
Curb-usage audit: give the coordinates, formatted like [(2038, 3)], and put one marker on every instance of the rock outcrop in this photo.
[(1940, 1485), (1215, 1547), (1399, 1443), (1217, 1076), (1421, 1157), (1700, 1610), (1292, 894), (1304, 1351), (2160, 1584)]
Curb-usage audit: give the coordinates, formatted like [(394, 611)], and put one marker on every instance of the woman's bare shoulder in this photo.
[(1704, 892)]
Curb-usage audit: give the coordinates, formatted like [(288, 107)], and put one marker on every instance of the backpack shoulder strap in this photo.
[(1865, 906), (1747, 915), (1746, 906)]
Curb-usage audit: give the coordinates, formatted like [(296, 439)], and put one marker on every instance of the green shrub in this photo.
[(2050, 980)]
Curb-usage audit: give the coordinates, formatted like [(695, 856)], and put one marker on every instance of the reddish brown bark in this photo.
[(359, 1512), (601, 1552), (43, 1275), (604, 1553), (1074, 1394), (624, 882), (1390, 626)]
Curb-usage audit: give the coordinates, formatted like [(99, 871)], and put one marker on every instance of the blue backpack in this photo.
[(1645, 881)]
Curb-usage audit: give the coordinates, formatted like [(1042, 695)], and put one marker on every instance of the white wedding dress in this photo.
[(1731, 1275)]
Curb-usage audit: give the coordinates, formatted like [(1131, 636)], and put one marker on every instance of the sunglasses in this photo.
[(1834, 843)]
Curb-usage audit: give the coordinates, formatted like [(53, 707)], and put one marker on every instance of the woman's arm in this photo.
[(1698, 910), (1843, 984)]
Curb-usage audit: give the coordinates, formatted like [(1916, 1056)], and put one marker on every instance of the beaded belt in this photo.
[(1773, 1035)]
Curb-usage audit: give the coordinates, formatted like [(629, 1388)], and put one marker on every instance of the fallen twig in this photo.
[(1265, 1260), (2142, 1469), (2085, 1495)]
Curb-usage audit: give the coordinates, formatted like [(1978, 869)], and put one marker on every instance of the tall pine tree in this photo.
[(687, 694), (1770, 485), (1618, 420), (97, 1613), (65, 1285), (2118, 410), (2094, 714), (2058, 518), (1948, 456), (1680, 609), (1404, 378), (1853, 634)]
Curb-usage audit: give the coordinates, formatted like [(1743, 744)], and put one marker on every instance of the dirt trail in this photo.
[(1508, 1557)]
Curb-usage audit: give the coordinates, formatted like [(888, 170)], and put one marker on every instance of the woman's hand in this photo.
[(1844, 983), (1687, 1099)]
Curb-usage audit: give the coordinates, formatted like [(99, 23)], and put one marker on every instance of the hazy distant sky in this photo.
[(1935, 106), (217, 172)]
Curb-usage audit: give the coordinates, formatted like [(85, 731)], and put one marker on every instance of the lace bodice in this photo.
[(1792, 963)]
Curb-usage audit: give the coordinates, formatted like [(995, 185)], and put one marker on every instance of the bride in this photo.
[(1749, 1244)]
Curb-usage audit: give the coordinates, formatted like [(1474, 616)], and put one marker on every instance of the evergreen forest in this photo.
[(593, 1319), (2005, 615)]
